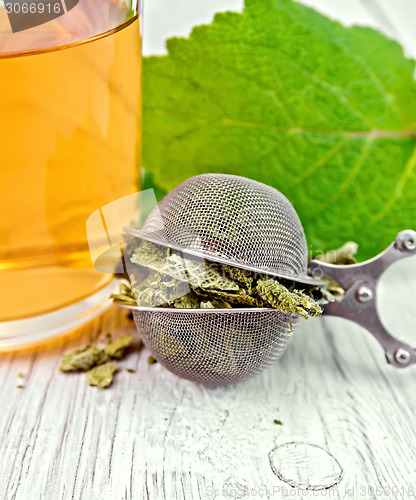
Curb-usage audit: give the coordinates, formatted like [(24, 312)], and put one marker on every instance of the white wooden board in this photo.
[(152, 435)]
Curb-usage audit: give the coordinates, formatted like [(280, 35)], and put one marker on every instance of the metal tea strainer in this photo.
[(249, 225)]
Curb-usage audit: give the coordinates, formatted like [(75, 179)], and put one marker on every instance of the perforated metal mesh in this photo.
[(234, 219), (244, 223), (215, 347)]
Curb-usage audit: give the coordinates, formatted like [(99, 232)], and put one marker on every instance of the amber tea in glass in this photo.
[(69, 144)]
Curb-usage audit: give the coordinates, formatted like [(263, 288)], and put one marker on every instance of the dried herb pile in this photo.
[(99, 364), (176, 281)]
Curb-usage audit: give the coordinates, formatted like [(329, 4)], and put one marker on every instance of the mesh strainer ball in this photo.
[(236, 221)]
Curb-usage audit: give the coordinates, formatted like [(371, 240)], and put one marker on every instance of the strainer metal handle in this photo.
[(360, 301)]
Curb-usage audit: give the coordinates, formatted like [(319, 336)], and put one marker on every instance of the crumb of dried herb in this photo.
[(125, 296), (332, 291), (151, 360), (279, 297), (118, 347), (20, 375), (277, 422), (102, 375), (289, 332), (20, 386)]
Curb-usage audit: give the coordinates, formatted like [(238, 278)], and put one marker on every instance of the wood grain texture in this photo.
[(152, 435)]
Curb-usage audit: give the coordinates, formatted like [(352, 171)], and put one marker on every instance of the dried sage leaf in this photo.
[(83, 359), (196, 272), (102, 375), (117, 348)]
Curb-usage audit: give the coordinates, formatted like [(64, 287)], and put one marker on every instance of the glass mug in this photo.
[(69, 144)]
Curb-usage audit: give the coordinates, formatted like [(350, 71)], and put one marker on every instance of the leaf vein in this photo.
[(409, 134), (355, 171), (320, 163), (397, 192)]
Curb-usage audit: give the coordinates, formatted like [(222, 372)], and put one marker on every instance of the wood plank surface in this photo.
[(153, 435)]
